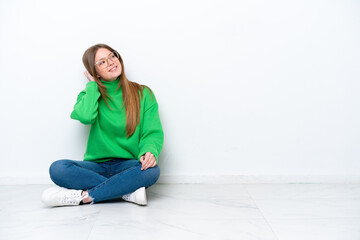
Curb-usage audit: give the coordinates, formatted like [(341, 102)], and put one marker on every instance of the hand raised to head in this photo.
[(88, 76)]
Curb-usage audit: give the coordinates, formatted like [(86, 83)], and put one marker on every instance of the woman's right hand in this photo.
[(88, 76)]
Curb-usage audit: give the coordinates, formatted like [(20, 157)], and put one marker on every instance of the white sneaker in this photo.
[(138, 197), (59, 196)]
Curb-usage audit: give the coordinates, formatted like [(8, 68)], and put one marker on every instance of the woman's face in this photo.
[(107, 66)]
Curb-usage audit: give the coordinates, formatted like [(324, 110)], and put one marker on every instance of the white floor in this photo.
[(191, 211)]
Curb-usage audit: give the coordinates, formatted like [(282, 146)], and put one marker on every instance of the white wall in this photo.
[(246, 89)]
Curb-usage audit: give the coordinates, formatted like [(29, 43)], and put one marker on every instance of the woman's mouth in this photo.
[(113, 69)]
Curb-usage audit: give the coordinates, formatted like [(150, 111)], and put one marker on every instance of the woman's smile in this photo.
[(113, 69)]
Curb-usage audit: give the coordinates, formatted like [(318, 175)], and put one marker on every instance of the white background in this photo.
[(245, 88)]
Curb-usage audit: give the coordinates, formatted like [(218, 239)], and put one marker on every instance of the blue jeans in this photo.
[(105, 180)]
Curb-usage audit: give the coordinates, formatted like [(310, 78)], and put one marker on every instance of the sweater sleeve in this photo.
[(86, 107), (152, 135)]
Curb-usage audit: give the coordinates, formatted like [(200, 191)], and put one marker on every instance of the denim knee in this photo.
[(154, 176), (57, 169), (157, 172)]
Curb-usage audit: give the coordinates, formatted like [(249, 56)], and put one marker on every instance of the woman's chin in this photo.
[(116, 74)]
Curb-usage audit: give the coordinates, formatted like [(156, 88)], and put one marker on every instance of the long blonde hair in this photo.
[(130, 90)]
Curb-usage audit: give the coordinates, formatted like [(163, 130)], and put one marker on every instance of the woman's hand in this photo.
[(89, 77), (147, 160)]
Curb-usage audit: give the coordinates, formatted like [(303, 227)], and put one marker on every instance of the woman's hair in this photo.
[(130, 90)]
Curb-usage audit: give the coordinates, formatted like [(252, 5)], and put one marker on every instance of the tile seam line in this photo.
[(266, 220), (93, 226)]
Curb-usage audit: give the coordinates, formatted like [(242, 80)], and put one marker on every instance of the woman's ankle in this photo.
[(88, 199)]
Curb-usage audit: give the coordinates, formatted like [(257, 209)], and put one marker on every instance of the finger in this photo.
[(147, 156), (146, 164), (142, 162), (146, 159), (151, 163), (154, 162), (151, 159), (89, 76)]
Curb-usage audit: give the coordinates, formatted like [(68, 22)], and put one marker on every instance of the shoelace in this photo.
[(128, 197), (73, 198)]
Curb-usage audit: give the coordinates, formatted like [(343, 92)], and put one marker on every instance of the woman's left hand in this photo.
[(147, 160)]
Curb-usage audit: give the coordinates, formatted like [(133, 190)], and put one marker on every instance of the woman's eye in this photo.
[(113, 56), (101, 63)]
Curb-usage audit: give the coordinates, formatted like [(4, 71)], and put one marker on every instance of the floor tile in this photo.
[(192, 211), (317, 229), (309, 208), (303, 191)]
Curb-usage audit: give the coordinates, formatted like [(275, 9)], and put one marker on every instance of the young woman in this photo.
[(125, 140)]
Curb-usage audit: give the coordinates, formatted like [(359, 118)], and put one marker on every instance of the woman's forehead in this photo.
[(102, 53)]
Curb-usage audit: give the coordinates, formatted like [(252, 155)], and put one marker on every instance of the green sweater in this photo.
[(107, 138)]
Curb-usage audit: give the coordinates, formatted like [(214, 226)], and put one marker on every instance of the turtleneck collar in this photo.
[(111, 83)]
